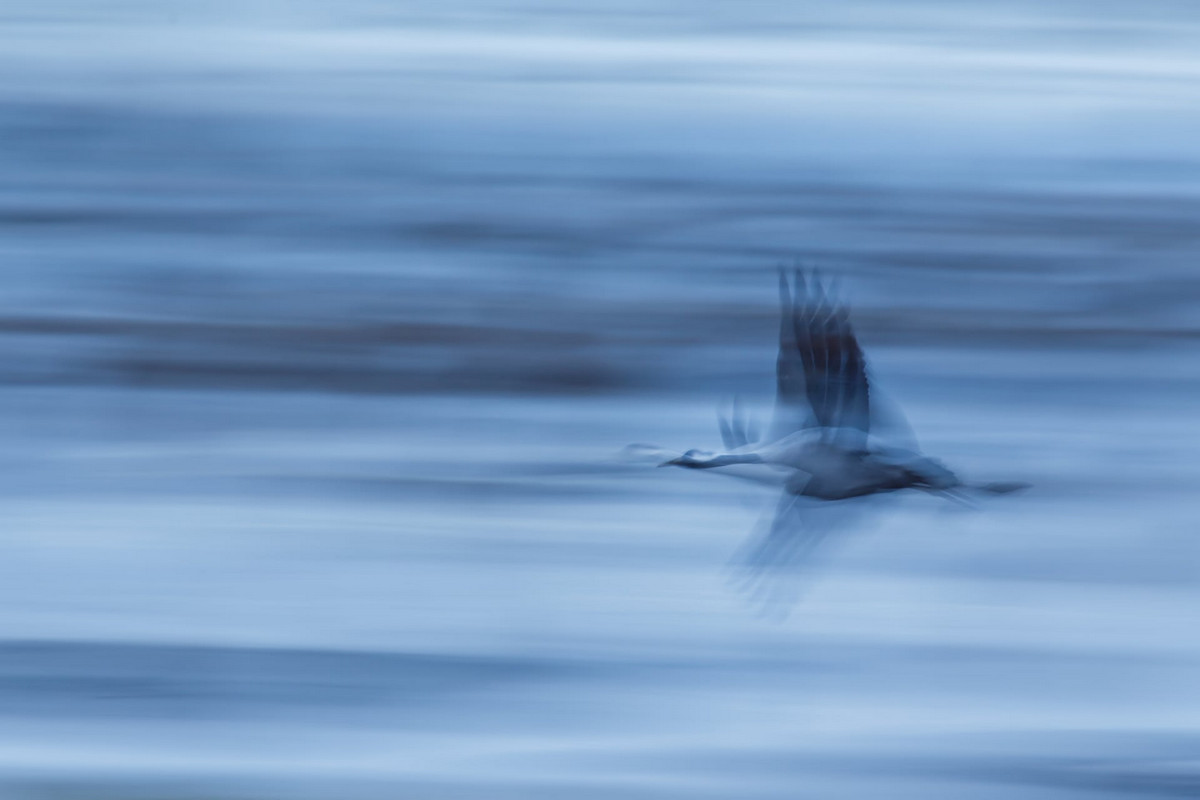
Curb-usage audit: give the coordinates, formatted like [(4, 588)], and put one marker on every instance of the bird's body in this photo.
[(822, 468)]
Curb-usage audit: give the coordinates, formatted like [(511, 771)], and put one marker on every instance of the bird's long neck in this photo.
[(722, 460)]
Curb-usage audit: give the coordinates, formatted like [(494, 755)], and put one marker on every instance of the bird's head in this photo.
[(692, 459)]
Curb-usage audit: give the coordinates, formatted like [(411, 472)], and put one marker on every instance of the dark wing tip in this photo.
[(818, 342)]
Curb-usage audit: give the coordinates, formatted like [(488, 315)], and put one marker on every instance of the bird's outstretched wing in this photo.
[(737, 429), (773, 563), (821, 374)]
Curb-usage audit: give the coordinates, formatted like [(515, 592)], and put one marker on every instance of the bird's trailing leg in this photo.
[(1002, 487)]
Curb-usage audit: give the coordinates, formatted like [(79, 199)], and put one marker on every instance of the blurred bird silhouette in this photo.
[(832, 437)]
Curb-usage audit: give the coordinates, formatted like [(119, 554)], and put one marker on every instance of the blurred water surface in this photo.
[(323, 323)]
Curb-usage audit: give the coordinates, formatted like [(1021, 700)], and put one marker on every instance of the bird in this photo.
[(833, 437)]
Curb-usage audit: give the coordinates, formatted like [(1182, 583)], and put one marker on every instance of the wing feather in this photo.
[(821, 377), (772, 564)]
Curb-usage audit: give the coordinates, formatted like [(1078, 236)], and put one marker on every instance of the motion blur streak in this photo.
[(323, 324)]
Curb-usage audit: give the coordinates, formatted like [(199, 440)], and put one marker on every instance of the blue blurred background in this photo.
[(323, 322)]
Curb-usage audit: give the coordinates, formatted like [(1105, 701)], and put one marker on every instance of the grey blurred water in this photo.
[(323, 325)]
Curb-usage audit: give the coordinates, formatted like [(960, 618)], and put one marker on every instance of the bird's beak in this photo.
[(670, 463)]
